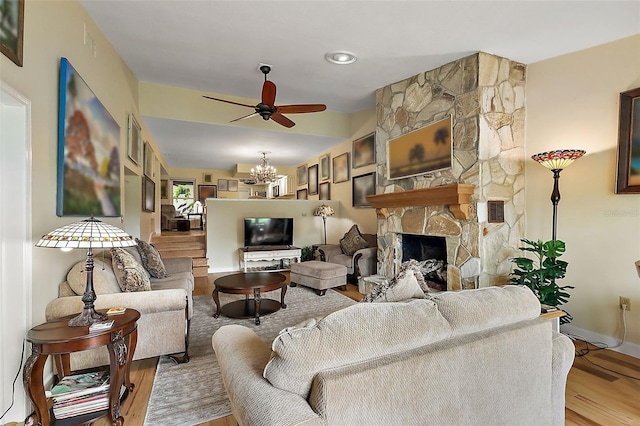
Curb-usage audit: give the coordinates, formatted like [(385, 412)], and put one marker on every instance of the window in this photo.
[(183, 191)]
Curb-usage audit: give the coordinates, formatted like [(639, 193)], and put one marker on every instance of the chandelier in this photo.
[(263, 172)]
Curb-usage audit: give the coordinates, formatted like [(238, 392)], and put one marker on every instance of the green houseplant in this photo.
[(540, 274)]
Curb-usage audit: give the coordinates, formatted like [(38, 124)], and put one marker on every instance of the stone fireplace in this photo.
[(484, 95)]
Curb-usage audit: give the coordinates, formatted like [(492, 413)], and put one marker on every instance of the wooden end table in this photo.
[(58, 339), (250, 283)]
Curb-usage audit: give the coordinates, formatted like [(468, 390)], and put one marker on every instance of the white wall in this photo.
[(225, 226), (573, 102)]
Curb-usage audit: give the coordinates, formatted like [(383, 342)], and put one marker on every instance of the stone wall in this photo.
[(485, 96)]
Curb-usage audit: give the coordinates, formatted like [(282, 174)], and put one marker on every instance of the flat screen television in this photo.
[(268, 231)]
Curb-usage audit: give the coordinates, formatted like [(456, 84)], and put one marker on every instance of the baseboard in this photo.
[(627, 348), (219, 270)]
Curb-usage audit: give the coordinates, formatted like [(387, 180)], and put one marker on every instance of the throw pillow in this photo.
[(151, 259), (130, 274), (104, 281), (403, 286), (352, 241)]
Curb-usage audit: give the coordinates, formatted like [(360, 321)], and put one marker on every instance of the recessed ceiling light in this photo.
[(341, 57)]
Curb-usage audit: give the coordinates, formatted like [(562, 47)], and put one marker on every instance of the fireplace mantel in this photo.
[(455, 196)]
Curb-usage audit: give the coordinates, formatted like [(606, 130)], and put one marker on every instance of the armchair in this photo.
[(356, 251)]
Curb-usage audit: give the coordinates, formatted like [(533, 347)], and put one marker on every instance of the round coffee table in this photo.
[(249, 283)]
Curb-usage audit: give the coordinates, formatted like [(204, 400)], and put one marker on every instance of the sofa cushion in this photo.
[(402, 287), (353, 241), (104, 281), (357, 333), (469, 311), (130, 274), (151, 260)]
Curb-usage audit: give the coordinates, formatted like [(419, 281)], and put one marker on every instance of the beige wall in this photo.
[(572, 102)]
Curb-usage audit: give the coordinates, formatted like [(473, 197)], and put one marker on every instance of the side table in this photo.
[(58, 339)]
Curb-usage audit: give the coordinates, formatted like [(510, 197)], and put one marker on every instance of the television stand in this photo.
[(272, 258)]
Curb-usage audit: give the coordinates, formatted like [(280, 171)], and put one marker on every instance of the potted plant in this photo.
[(540, 274)]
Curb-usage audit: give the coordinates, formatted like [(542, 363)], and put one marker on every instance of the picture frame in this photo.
[(312, 181), (302, 175), (302, 194), (325, 167), (233, 185), (134, 140), (362, 186), (628, 173), (324, 191), (148, 194), (425, 150), (86, 158), (12, 38), (164, 189), (223, 185), (364, 151), (207, 191), (207, 178), (149, 159), (341, 168)]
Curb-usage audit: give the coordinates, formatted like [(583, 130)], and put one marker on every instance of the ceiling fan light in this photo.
[(341, 57)]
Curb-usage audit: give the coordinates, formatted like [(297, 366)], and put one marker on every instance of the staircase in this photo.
[(191, 244)]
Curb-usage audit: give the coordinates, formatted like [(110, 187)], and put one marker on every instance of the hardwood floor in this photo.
[(594, 396)]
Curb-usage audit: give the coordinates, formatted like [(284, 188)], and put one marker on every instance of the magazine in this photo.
[(80, 384)]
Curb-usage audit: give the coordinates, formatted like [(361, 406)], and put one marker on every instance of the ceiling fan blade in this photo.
[(282, 120), (243, 117), (268, 93), (229, 102), (298, 109)]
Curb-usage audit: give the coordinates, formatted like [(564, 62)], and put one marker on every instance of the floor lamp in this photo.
[(324, 211), (87, 234), (556, 161)]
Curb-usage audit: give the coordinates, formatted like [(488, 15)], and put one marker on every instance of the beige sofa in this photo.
[(165, 311), (473, 357)]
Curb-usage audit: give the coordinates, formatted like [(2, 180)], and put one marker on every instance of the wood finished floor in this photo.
[(594, 396)]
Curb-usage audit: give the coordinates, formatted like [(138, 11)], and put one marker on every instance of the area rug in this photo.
[(193, 393)]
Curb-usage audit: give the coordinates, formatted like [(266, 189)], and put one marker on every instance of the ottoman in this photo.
[(318, 275)]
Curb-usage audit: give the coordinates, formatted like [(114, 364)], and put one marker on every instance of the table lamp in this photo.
[(556, 161), (324, 211), (87, 234)]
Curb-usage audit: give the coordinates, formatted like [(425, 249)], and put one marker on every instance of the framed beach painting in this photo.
[(324, 191), (12, 29), (362, 186), (301, 194), (88, 180), (134, 140), (421, 151), (325, 168), (628, 173), (302, 175), (312, 180), (149, 160), (148, 194), (223, 184), (341, 168), (364, 151)]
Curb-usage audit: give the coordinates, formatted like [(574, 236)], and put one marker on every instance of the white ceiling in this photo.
[(216, 46)]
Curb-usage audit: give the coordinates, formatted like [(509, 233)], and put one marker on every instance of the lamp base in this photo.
[(87, 317)]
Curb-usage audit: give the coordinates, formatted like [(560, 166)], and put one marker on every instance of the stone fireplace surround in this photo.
[(484, 94)]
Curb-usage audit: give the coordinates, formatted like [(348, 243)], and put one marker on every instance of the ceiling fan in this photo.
[(267, 108)]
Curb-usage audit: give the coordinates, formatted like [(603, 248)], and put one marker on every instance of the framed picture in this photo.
[(207, 191), (363, 185), (164, 189), (628, 177), (223, 185), (364, 151), (341, 168), (301, 194), (325, 169), (324, 192), (148, 160), (207, 178), (313, 179), (134, 141), (12, 34), (88, 151), (302, 175), (148, 194), (422, 151), (233, 185)]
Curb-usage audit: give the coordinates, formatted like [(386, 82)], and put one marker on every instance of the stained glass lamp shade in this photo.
[(87, 234), (324, 211)]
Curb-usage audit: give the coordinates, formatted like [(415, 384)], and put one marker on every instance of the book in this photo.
[(80, 384), (101, 325), (116, 311), (547, 308)]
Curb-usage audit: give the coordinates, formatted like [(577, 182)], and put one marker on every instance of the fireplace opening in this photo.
[(431, 251)]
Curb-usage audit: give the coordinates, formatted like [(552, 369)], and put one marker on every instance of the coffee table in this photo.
[(249, 283)]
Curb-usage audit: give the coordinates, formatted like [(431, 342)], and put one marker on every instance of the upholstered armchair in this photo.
[(356, 251)]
